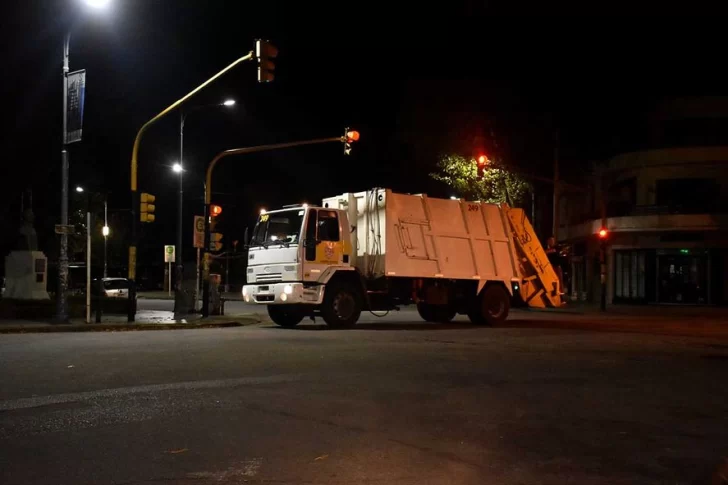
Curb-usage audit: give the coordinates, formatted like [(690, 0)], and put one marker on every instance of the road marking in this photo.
[(39, 401)]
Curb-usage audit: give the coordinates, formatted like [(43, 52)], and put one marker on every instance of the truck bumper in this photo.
[(283, 294)]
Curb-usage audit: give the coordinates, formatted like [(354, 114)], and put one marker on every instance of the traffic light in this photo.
[(603, 233), (482, 163), (146, 209), (265, 52), (215, 237), (350, 137), (215, 210), (215, 241)]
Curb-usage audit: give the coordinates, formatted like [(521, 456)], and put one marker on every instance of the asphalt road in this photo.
[(386, 403)]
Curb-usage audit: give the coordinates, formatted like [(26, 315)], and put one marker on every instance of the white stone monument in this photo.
[(26, 268)]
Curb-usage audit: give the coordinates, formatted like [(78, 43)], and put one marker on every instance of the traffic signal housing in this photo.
[(146, 207), (215, 237), (350, 137), (482, 163), (265, 52), (603, 234)]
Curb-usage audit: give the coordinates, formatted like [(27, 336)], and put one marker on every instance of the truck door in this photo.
[(323, 246)]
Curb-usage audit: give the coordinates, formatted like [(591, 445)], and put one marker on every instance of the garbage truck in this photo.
[(378, 250)]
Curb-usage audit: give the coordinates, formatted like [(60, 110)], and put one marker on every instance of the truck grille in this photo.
[(269, 278)]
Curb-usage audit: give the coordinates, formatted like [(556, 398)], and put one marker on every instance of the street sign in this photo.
[(61, 229), (199, 232), (169, 254)]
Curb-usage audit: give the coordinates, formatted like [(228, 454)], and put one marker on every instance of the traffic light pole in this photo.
[(208, 197), (134, 179)]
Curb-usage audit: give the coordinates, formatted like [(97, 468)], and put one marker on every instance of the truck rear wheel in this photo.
[(435, 313), (287, 316), (342, 306), (492, 307)]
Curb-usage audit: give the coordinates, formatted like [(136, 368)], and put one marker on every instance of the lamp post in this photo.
[(179, 169), (105, 231), (61, 298)]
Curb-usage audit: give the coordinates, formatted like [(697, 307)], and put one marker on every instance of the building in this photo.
[(666, 210)]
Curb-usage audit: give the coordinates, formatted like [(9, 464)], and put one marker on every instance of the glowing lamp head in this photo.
[(105, 231), (79, 190), (352, 136), (215, 210), (262, 211), (603, 233), (177, 168), (228, 102), (482, 160), (98, 4)]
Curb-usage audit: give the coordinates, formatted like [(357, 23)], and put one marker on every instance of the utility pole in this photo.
[(106, 236), (61, 302), (557, 188)]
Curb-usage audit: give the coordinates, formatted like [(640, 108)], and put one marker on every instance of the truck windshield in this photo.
[(278, 228)]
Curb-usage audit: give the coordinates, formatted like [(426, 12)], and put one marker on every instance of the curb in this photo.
[(132, 327)]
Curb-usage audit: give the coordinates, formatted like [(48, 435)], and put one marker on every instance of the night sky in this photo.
[(414, 88)]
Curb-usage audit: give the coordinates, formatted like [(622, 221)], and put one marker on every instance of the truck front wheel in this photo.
[(287, 316), (492, 307), (342, 305)]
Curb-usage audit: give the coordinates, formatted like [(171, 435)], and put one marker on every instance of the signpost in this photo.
[(198, 242), (169, 257)]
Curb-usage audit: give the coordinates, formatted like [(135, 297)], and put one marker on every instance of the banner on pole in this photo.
[(76, 95)]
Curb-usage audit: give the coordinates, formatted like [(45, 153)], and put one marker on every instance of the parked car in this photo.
[(113, 287)]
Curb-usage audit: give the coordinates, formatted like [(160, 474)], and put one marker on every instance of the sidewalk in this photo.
[(145, 320), (706, 322), (650, 311)]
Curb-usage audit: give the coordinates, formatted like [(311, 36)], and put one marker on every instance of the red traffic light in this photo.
[(352, 136), (215, 210), (482, 160), (603, 233)]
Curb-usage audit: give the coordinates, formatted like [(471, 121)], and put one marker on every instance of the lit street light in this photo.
[(79, 190), (61, 298), (178, 168), (99, 4)]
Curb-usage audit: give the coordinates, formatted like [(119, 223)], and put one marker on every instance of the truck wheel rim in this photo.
[(344, 306), (495, 308)]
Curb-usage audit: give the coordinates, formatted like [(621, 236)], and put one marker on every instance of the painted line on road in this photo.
[(39, 401)]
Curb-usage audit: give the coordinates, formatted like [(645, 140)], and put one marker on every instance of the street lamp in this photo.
[(179, 168), (61, 301), (99, 4), (79, 190)]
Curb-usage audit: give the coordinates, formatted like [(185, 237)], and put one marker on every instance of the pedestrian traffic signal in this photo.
[(215, 241), (147, 208), (215, 210), (349, 138), (265, 52)]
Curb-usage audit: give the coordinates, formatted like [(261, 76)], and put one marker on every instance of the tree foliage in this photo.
[(496, 185)]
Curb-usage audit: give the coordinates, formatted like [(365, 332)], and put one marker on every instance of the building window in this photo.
[(630, 276), (688, 195)]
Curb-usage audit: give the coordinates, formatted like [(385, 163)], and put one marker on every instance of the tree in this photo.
[(495, 186)]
